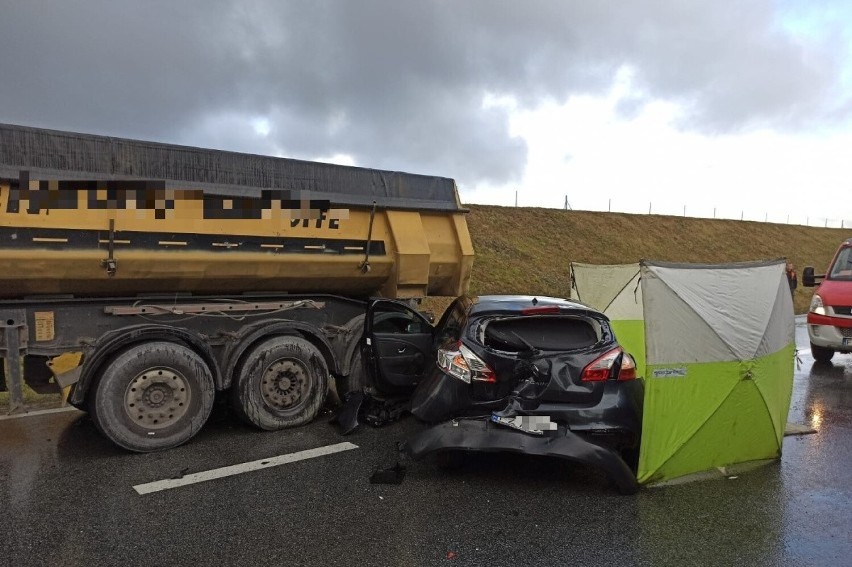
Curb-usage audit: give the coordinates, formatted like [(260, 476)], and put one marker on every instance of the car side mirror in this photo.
[(809, 279)]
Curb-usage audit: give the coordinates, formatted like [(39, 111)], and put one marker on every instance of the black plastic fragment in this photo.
[(382, 412), (347, 418), (183, 472), (389, 475)]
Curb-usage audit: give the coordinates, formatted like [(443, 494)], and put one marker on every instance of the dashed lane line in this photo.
[(37, 413), (241, 468)]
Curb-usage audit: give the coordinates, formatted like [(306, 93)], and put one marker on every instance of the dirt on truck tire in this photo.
[(281, 383), (153, 396)]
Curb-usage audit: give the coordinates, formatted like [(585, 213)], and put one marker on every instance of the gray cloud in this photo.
[(397, 85)]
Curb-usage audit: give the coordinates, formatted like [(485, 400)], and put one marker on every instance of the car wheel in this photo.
[(821, 354), (281, 383), (153, 396)]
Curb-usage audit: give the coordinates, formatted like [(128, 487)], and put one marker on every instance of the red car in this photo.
[(830, 314)]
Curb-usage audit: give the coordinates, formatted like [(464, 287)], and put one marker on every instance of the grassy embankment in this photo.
[(528, 251)]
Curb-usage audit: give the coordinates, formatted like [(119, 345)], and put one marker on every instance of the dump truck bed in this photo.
[(89, 215)]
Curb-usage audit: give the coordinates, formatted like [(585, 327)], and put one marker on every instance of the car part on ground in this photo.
[(481, 435)]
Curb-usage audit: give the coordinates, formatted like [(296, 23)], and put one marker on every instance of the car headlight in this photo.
[(817, 305)]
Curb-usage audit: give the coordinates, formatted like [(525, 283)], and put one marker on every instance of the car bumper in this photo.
[(830, 332), (614, 419), (440, 397), (481, 435)]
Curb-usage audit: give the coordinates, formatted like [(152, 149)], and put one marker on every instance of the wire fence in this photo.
[(706, 212)]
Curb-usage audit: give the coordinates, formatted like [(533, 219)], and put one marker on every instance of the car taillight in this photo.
[(546, 310), (628, 368), (601, 368), (460, 362)]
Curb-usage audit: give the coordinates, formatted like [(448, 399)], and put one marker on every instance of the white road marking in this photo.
[(38, 412), (231, 470)]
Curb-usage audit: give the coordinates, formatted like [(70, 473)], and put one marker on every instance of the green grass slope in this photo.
[(526, 250)]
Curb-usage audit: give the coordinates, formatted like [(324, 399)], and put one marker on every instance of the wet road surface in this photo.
[(67, 497)]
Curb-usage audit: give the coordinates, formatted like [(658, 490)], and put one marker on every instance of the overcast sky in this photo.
[(742, 106)]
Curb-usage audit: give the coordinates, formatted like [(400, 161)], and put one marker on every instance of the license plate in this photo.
[(534, 424)]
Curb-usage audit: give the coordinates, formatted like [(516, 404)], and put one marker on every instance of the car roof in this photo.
[(503, 303)]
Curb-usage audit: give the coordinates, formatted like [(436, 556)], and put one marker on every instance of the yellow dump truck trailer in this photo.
[(146, 276)]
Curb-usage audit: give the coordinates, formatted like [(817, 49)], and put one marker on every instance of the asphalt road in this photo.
[(67, 497)]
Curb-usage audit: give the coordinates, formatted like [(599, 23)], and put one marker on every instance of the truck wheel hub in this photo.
[(157, 398), (285, 384)]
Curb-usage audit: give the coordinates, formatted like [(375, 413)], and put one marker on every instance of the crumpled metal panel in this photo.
[(52, 154), (480, 435)]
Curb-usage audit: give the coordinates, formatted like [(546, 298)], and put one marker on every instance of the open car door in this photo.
[(397, 350)]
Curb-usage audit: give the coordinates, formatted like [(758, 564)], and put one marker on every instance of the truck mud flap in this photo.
[(483, 436)]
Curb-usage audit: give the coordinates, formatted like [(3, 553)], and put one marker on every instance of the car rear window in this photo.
[(452, 323), (545, 333)]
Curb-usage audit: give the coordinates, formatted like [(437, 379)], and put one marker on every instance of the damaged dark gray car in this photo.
[(538, 376)]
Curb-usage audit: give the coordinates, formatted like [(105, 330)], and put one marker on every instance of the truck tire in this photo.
[(153, 396), (821, 354), (281, 383)]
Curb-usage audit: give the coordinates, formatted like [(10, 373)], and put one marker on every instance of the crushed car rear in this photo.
[(538, 376)]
